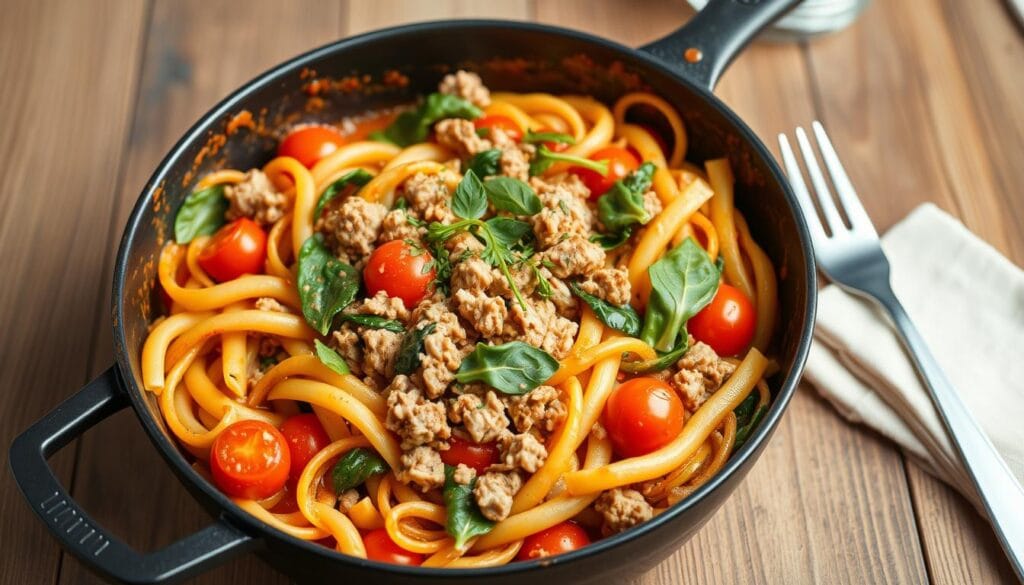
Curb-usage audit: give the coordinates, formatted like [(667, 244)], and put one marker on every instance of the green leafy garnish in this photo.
[(496, 234), (470, 199), (512, 195), (623, 205), (374, 322), (326, 285), (683, 282), (612, 240), (624, 318), (485, 163), (408, 357), (464, 519), (532, 137), (358, 178), (544, 158), (659, 363), (512, 368), (413, 126), (330, 358), (201, 214), (355, 467)]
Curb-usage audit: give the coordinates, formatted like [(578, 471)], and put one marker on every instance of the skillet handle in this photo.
[(703, 47), (76, 531)]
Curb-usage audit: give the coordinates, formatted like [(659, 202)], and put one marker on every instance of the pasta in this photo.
[(457, 352)]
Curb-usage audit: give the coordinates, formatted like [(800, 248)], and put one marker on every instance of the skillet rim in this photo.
[(282, 72)]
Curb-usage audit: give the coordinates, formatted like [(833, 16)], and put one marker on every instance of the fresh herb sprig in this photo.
[(532, 137), (545, 157)]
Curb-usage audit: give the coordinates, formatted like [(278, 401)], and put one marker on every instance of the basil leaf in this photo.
[(358, 177), (623, 205), (464, 519), (374, 322), (623, 318), (683, 282), (326, 285), (664, 360), (507, 231), (413, 126), (512, 368), (612, 240), (532, 137), (408, 357), (330, 358), (201, 214), (485, 163), (544, 158), (355, 467), (470, 200), (512, 195)]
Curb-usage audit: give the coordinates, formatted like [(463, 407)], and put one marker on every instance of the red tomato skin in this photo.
[(250, 459), (398, 270), (727, 324), (380, 547), (306, 437), (560, 538), (498, 121), (620, 163), (479, 456), (309, 144), (238, 248), (643, 415)]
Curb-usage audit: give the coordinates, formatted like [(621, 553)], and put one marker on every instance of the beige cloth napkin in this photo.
[(968, 302)]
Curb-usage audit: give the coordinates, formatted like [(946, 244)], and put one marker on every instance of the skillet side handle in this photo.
[(703, 47), (76, 531)]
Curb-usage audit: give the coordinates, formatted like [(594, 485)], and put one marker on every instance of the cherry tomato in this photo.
[(727, 323), (560, 538), (310, 144), (642, 415), (498, 121), (306, 437), (479, 456), (250, 459), (236, 249), (400, 271), (620, 163), (380, 547)]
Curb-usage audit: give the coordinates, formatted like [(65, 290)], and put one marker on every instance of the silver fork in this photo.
[(852, 258)]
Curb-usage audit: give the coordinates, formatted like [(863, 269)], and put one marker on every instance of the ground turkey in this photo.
[(443, 349), (256, 198), (472, 275), (565, 210), (540, 326), (396, 226), (540, 408), (381, 305), (415, 420), (484, 418), (464, 474), (522, 451), (352, 227), (486, 313), (423, 467), (574, 256), (610, 284), (428, 196), (622, 509), (460, 136), (466, 85), (494, 493), (701, 372)]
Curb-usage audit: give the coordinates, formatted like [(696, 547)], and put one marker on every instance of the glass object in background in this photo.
[(810, 18)]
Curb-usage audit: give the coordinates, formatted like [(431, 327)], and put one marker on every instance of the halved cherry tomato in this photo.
[(250, 459), (498, 121), (399, 270), (309, 144), (727, 324), (620, 163), (642, 415), (479, 456), (236, 249), (560, 538), (306, 437), (380, 547)]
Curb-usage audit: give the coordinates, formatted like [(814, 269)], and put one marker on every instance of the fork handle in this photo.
[(1002, 496)]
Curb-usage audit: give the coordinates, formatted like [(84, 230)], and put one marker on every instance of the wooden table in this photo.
[(924, 98)]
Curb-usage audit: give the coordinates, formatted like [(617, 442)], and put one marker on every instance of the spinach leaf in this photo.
[(201, 214), (408, 357), (623, 205), (470, 199), (330, 358), (532, 137), (358, 177), (374, 322), (326, 285), (612, 240), (485, 163), (413, 126), (659, 363), (624, 318), (683, 282), (544, 158), (512, 195), (743, 433), (506, 231), (355, 467), (512, 368), (464, 518)]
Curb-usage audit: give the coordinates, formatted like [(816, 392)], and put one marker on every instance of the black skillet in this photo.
[(510, 56)]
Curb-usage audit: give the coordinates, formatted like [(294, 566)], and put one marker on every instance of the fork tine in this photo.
[(859, 219), (796, 180), (821, 188)]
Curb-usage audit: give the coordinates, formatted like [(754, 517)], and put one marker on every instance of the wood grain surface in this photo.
[(923, 99)]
